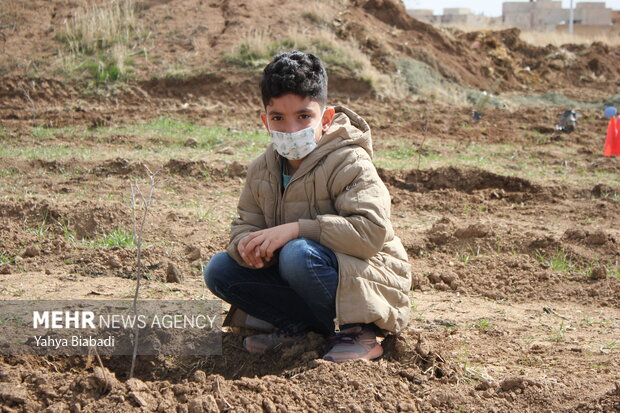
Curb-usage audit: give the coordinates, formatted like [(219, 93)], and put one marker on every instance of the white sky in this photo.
[(487, 7)]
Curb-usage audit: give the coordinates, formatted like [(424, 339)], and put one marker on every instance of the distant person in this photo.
[(313, 248)]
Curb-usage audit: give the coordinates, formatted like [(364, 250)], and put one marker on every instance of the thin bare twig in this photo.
[(424, 134), (26, 94), (138, 231)]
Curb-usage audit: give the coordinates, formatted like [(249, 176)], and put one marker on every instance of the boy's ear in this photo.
[(328, 117), (263, 117)]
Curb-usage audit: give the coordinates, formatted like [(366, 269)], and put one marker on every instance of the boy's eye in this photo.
[(304, 116), (276, 118)]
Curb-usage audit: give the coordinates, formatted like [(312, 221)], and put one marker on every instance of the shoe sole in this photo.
[(374, 353)]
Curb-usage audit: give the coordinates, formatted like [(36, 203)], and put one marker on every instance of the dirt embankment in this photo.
[(191, 37)]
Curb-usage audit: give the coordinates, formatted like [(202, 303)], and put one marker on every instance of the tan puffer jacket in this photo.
[(340, 202)]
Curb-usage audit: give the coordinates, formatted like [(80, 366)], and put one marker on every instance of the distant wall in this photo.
[(544, 15)]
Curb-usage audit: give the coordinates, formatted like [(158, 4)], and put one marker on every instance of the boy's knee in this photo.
[(216, 269), (293, 253)]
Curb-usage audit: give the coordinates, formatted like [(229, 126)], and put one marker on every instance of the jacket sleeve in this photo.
[(363, 205), (250, 218)]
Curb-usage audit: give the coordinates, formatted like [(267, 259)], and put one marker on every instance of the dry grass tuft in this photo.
[(257, 48), (101, 40), (98, 28)]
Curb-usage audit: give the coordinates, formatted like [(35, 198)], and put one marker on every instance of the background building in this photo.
[(545, 15), (453, 16), (535, 15)]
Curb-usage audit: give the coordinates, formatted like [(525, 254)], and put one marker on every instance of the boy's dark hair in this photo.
[(294, 72)]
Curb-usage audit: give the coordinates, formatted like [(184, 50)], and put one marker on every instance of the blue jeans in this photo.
[(296, 295)]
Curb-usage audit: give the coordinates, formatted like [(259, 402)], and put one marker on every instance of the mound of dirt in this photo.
[(460, 179), (201, 33), (215, 384), (518, 63)]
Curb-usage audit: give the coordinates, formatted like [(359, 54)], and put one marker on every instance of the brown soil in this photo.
[(495, 328)]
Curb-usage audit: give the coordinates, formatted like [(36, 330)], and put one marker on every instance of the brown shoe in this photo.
[(355, 343)]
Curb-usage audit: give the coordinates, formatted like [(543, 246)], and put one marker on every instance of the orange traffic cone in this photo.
[(612, 142)]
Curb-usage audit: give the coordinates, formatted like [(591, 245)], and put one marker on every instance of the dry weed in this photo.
[(95, 28)]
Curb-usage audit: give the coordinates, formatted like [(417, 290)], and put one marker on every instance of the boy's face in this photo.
[(291, 113)]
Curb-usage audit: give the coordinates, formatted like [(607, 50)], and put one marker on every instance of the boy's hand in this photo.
[(258, 247), (249, 256)]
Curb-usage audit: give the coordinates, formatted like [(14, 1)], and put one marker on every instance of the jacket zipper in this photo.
[(336, 321), (281, 206), (283, 197)]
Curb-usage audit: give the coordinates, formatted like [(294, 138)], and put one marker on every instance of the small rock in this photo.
[(134, 384), (422, 348), (598, 273), (513, 383), (236, 169), (204, 404), (542, 242), (179, 389), (269, 406), (448, 277), (574, 234), (434, 278), (144, 399), (5, 269), (209, 404), (191, 143), (441, 286), (199, 376), (455, 284), (31, 251), (48, 271), (114, 261), (556, 64), (195, 406), (600, 190), (597, 238), (59, 407), (193, 253), (104, 379), (486, 385), (11, 393), (173, 275), (472, 231), (439, 238), (416, 281), (226, 151), (407, 406)]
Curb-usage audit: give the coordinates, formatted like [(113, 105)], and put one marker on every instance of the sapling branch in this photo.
[(139, 200)]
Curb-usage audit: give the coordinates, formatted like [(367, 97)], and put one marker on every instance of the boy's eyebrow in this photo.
[(304, 110)]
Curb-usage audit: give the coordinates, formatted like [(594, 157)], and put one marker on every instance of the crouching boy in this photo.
[(313, 248)]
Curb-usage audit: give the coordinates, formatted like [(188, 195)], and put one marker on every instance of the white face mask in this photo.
[(295, 145)]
